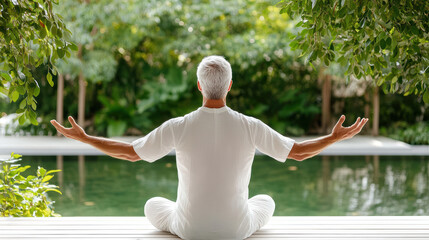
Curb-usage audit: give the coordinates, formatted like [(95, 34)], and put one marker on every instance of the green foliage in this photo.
[(30, 35), (387, 40), (25, 196), (416, 134), (140, 60), (410, 109)]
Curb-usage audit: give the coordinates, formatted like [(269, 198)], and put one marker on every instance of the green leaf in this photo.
[(53, 190), (388, 42), (21, 90), (53, 171), (73, 47), (22, 169), (60, 53), (33, 118), (21, 119), (23, 103), (47, 178), (426, 97), (383, 44), (41, 171), (36, 91), (49, 78), (15, 96), (356, 71), (6, 76)]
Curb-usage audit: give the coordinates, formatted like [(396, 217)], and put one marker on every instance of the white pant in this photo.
[(160, 212)]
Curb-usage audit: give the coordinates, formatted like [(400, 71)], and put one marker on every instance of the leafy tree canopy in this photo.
[(385, 39), (30, 35), (152, 48)]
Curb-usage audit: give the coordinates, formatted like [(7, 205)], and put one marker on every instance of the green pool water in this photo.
[(331, 186)]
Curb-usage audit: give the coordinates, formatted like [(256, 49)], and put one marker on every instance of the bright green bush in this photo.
[(417, 134), (25, 196)]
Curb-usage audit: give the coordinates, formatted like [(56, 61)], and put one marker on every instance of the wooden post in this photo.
[(376, 112), (60, 119), (326, 104), (60, 100), (81, 103), (81, 97), (367, 109), (81, 122)]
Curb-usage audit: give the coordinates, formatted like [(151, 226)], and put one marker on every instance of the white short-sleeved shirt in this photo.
[(214, 153)]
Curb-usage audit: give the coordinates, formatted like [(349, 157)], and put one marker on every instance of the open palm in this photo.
[(75, 132), (341, 133)]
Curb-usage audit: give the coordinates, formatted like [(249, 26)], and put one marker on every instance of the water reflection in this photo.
[(371, 185), (60, 175), (81, 167)]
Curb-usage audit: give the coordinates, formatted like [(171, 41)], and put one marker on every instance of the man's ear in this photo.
[(230, 84), (199, 86)]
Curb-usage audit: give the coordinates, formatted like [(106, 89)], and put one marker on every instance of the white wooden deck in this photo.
[(338, 227)]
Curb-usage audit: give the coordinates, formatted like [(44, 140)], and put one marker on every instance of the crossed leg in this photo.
[(261, 210), (160, 212)]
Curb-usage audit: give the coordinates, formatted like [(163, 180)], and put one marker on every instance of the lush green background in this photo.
[(31, 35), (139, 60), (386, 39)]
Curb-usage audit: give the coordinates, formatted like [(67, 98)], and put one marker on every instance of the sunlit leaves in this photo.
[(49, 78), (387, 40), (31, 35), (25, 196)]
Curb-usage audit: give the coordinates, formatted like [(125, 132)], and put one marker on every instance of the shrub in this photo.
[(25, 196), (417, 134)]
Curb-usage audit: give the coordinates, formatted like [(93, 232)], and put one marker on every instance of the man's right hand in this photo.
[(340, 133), (309, 148), (116, 149), (75, 132)]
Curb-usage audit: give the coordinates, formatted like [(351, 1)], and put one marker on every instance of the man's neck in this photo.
[(214, 103)]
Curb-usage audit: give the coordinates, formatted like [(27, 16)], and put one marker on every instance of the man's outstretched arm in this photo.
[(309, 148), (116, 149)]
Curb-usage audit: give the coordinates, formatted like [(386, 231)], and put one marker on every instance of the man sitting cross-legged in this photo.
[(215, 146)]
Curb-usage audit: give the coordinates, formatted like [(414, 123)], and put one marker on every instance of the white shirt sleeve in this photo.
[(270, 142), (156, 144)]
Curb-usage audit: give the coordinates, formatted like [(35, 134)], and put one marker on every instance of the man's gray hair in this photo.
[(214, 74)]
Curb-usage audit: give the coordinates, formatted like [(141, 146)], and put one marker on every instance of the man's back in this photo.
[(214, 151), (215, 148)]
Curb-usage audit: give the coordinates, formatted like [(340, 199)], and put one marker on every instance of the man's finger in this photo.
[(57, 125), (340, 121), (361, 124), (356, 123), (72, 121)]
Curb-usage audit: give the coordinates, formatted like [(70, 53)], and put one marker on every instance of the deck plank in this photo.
[(332, 227)]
